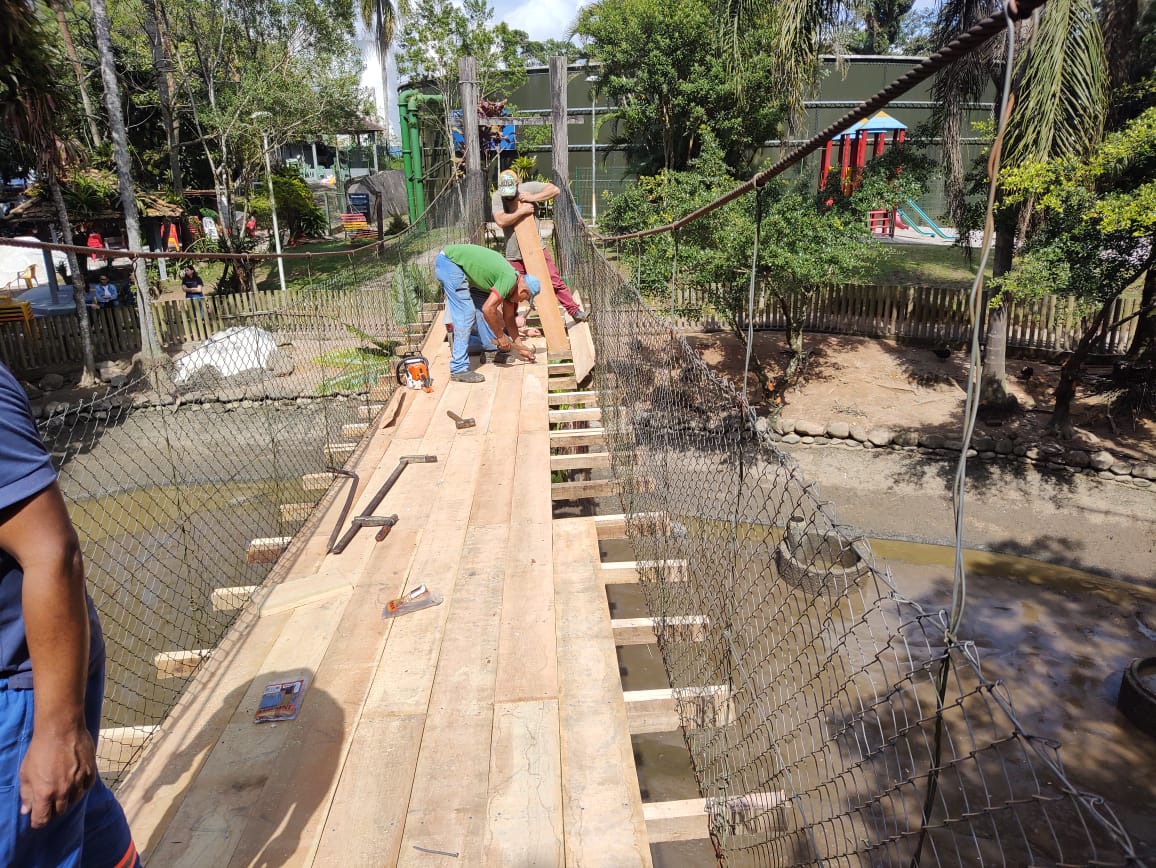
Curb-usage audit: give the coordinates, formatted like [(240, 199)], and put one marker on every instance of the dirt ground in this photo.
[(879, 383)]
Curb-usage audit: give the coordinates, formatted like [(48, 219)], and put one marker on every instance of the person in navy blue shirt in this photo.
[(54, 808)]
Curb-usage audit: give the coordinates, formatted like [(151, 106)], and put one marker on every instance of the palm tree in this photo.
[(383, 17), (30, 101), (1060, 84)]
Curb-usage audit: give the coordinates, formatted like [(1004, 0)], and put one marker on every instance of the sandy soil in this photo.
[(878, 383)]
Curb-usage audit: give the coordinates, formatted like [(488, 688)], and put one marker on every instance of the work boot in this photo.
[(580, 315), (467, 377)]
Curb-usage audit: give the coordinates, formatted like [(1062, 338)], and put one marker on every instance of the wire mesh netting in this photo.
[(829, 719), (174, 472)]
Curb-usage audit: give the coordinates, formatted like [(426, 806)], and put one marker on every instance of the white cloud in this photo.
[(542, 19)]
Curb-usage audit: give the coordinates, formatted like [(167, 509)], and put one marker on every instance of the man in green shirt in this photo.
[(482, 287)]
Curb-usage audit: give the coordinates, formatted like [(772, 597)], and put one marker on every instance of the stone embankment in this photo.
[(1009, 447)]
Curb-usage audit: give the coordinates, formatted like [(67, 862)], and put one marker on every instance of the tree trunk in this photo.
[(1061, 420), (78, 71), (163, 69), (994, 394), (740, 332), (150, 345), (793, 325), (88, 377), (1143, 346)]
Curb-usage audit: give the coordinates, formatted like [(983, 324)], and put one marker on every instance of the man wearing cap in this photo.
[(482, 288), (514, 202)]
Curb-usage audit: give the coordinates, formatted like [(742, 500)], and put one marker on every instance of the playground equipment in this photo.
[(852, 157)]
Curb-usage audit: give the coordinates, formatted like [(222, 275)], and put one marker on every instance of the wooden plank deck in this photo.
[(492, 726)]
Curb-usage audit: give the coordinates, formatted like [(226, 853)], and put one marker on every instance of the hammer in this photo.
[(459, 421)]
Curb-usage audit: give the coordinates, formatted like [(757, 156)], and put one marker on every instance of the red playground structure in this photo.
[(853, 145)]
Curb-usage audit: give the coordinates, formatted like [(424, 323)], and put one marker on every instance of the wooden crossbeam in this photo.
[(296, 511), (231, 599), (317, 481), (354, 430), (119, 744), (560, 369), (339, 453), (644, 631), (687, 819), (560, 382), (266, 550), (584, 489), (658, 710), (588, 437), (627, 572), (578, 414), (179, 664), (614, 526), (581, 461), (369, 411), (578, 398)]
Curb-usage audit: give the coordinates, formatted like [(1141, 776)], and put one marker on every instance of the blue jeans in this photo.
[(93, 833), (465, 310)]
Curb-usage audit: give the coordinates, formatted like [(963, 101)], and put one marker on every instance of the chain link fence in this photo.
[(184, 477), (830, 720)]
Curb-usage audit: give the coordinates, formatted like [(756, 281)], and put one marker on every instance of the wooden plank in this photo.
[(627, 572), (567, 439), (644, 631), (179, 664), (577, 398), (266, 550), (355, 430), (291, 512), (337, 454), (119, 745), (231, 599), (317, 481), (614, 526), (582, 344), (369, 412), (579, 414), (560, 369), (524, 814), (687, 819), (563, 383), (602, 809), (581, 461), (546, 304), (584, 489), (663, 709), (494, 493)]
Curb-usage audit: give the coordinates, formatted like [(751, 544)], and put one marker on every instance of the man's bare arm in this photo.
[(547, 193), (493, 309), (60, 763), (506, 219)]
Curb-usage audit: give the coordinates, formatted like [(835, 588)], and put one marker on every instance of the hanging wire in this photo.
[(751, 290), (673, 274)]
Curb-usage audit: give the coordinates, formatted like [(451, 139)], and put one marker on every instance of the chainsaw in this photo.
[(413, 373)]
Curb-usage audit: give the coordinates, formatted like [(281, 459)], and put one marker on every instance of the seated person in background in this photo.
[(90, 297), (105, 291)]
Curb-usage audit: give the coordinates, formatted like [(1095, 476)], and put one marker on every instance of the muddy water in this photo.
[(1059, 637)]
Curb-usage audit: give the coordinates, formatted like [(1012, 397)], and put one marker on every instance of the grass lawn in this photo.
[(926, 264)]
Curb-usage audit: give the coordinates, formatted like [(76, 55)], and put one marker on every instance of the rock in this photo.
[(1144, 470), (879, 437), (805, 428), (987, 455), (119, 381), (839, 430), (762, 425), (1141, 483), (1052, 449), (1121, 468), (791, 439), (1102, 460), (37, 410), (906, 439), (32, 391), (52, 382), (785, 425), (1032, 453), (807, 440), (931, 441), (1104, 474), (971, 453), (1020, 450), (953, 445), (1077, 458), (1004, 447), (983, 444), (858, 433)]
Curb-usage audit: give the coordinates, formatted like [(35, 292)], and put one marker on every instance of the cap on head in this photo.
[(508, 184), (533, 284)]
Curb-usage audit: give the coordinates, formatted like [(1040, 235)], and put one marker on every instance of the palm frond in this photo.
[(804, 30), (1061, 85)]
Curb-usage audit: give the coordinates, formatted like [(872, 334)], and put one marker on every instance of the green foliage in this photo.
[(358, 368), (526, 166), (661, 69), (411, 289), (297, 210)]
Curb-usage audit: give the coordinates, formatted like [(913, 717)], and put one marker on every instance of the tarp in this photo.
[(231, 352), (14, 260), (389, 185)]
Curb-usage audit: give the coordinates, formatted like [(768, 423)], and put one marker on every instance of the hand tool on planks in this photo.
[(367, 518), (459, 421), (349, 474)]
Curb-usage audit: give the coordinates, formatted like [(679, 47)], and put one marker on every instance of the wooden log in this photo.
[(232, 599), (179, 664), (644, 631), (266, 550)]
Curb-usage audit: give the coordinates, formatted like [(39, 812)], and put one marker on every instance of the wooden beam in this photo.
[(179, 664), (663, 709), (579, 398), (566, 439), (296, 511), (627, 572), (588, 488), (338, 453), (559, 369), (614, 526), (578, 414), (562, 383), (266, 550), (580, 461), (559, 79), (687, 819), (644, 631), (118, 746), (369, 412), (232, 599), (355, 430), (317, 481)]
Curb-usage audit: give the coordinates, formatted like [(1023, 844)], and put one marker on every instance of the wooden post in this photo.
[(558, 113), (472, 154)]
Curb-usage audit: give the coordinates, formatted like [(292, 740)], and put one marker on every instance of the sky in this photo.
[(541, 19)]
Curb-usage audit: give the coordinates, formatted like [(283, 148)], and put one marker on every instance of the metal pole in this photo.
[(593, 156), (273, 208)]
